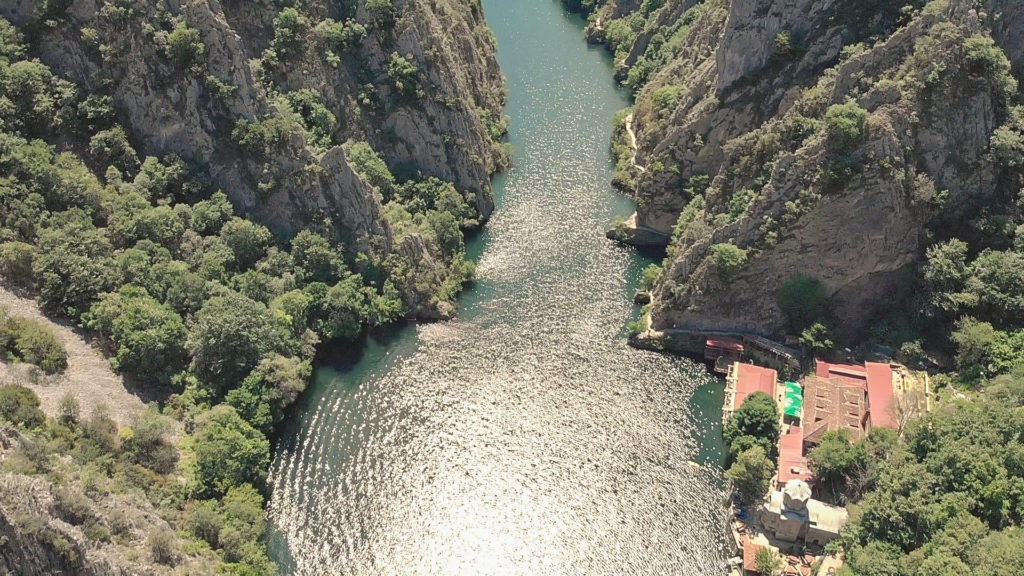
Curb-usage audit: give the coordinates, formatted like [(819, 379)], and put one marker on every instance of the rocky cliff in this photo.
[(831, 139), (375, 125), (46, 528), (188, 95)]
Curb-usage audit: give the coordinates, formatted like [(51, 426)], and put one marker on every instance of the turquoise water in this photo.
[(525, 437)]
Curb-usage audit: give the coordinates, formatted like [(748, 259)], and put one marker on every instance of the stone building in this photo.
[(793, 516)]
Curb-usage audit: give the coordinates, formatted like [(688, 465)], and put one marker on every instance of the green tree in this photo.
[(247, 240), (751, 473), (228, 452), (973, 340), (292, 308), (998, 280), (342, 310), (149, 337), (876, 559), (315, 259), (818, 337), (185, 46), (208, 216), (728, 259), (841, 465), (111, 148), (279, 380), (204, 520), (803, 301), (946, 274), (74, 265), (229, 336), (768, 562), (758, 417), (178, 287)]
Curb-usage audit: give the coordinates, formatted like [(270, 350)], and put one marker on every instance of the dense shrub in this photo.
[(185, 46), (290, 28), (33, 342), (16, 260), (162, 546), (20, 406), (728, 259), (649, 276), (803, 302), (148, 443), (382, 12), (402, 73), (845, 126), (228, 452), (148, 336)]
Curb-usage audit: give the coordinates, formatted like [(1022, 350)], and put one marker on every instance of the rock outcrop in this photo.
[(193, 108), (737, 147), (50, 529)]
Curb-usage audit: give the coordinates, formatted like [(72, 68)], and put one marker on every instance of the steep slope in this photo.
[(191, 103), (835, 140), (211, 189)]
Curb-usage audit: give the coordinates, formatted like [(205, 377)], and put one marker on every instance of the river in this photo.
[(525, 437)]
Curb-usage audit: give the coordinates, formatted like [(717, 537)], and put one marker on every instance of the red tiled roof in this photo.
[(792, 464), (881, 404), (750, 554), (724, 344), (846, 372), (750, 379), (832, 404)]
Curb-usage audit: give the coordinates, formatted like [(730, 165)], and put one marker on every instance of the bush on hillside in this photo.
[(20, 406), (32, 342)]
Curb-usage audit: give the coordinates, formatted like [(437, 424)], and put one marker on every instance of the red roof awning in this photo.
[(724, 344)]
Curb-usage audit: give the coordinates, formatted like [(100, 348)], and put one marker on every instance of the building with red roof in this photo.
[(848, 373), (792, 463), (836, 403), (881, 398), (750, 548), (742, 381)]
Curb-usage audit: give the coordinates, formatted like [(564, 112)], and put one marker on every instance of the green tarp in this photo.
[(793, 404)]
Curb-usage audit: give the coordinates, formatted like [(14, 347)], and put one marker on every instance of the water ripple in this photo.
[(525, 437)]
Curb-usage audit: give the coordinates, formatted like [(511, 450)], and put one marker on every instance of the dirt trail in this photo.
[(632, 143), (88, 376)]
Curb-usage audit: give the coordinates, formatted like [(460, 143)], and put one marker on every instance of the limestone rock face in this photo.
[(288, 184), (746, 132), (436, 128)]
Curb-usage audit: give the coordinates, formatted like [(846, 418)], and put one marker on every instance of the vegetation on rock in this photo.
[(214, 301)]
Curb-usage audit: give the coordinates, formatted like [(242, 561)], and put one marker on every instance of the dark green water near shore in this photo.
[(525, 437)]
